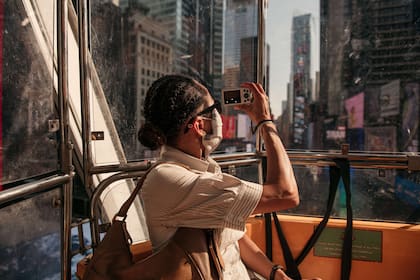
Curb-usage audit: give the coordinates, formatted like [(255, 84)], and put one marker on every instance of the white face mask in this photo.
[(212, 141)]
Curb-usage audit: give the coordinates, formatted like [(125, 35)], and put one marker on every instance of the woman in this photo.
[(184, 121)]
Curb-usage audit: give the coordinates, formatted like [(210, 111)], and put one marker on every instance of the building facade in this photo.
[(376, 57), (196, 34), (301, 79)]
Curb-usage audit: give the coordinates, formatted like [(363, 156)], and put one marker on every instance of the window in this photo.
[(29, 139), (335, 74)]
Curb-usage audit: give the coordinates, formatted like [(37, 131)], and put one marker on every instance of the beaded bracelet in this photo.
[(259, 124), (273, 271)]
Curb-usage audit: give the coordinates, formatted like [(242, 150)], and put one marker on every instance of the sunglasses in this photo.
[(217, 105)]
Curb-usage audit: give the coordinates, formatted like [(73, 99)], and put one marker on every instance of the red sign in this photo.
[(229, 127)]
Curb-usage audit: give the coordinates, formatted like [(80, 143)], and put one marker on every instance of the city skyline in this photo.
[(278, 35)]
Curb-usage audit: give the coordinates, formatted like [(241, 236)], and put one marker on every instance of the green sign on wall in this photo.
[(367, 244)]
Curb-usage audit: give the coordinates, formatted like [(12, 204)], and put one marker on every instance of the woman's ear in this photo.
[(198, 126)]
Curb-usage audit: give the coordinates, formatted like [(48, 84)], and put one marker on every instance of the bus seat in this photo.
[(399, 246)]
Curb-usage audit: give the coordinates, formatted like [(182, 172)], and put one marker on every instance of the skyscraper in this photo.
[(388, 31), (241, 23), (195, 30), (371, 48), (300, 75)]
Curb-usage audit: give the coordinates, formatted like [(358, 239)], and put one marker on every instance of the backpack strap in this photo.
[(292, 269), (268, 236), (346, 253), (341, 169), (334, 180)]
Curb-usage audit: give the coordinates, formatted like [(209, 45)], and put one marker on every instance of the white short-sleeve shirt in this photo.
[(199, 195)]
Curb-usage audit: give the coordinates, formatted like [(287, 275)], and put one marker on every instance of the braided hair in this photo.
[(170, 101)]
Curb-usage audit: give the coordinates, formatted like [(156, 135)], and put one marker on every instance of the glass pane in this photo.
[(240, 65), (345, 72), (313, 184), (293, 38), (29, 140), (245, 172), (30, 240), (135, 42), (377, 194)]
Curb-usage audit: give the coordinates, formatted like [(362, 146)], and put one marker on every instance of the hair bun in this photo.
[(151, 137)]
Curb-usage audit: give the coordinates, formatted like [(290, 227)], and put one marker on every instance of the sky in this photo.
[(278, 34)]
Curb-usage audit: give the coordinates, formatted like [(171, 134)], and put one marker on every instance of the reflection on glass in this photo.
[(337, 71), (28, 138), (239, 65), (248, 172), (135, 42), (30, 241), (353, 74), (379, 195)]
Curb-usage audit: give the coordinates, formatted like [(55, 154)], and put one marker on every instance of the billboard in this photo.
[(390, 99), (355, 110), (381, 139)]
